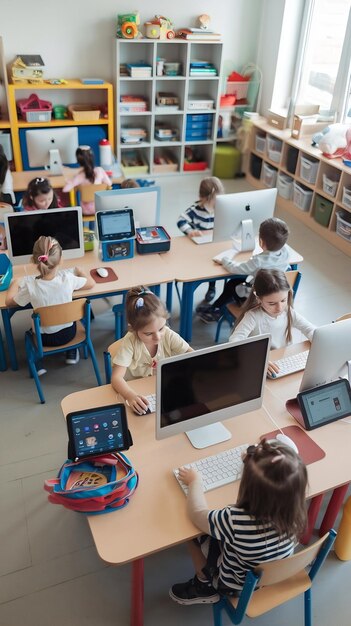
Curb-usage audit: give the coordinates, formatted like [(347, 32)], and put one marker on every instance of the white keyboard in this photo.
[(151, 398), (217, 470), (291, 364), (203, 238)]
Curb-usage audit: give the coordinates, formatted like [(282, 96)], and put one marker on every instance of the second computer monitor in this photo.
[(238, 215), (145, 203)]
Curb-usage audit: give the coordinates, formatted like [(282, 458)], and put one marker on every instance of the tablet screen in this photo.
[(325, 404), (97, 431), (114, 225)]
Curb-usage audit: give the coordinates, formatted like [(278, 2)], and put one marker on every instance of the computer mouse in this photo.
[(287, 441), (102, 271)]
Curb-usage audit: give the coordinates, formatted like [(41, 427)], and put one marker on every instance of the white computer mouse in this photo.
[(102, 271), (288, 442)]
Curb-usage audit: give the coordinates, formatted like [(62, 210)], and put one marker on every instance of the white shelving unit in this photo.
[(320, 188), (184, 86)]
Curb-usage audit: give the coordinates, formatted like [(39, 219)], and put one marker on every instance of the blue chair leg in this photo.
[(34, 374), (95, 365), (3, 366), (108, 367), (308, 607), (118, 311)]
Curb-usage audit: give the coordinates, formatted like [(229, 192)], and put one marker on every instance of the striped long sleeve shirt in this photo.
[(196, 217)]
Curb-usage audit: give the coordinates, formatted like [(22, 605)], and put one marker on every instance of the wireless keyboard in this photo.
[(291, 364), (151, 398), (217, 470), (203, 238)]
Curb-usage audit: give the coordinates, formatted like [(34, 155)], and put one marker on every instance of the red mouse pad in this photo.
[(111, 276), (308, 449)]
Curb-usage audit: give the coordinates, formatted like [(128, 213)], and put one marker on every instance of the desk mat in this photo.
[(309, 451), (109, 278)]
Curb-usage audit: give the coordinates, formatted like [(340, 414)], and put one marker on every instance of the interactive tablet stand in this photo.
[(116, 233)]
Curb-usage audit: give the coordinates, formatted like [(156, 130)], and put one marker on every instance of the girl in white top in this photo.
[(269, 309), (148, 340), (52, 286)]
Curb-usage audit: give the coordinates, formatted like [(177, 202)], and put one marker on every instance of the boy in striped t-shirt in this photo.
[(199, 217), (263, 525)]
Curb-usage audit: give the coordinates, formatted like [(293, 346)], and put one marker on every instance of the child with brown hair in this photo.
[(273, 235), (263, 525), (87, 175), (148, 340), (40, 196), (52, 286), (199, 217), (269, 309)]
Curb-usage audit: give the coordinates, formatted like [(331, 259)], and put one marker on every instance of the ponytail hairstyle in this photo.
[(266, 283), (47, 254), (142, 306), (37, 187), (209, 188), (85, 158), (273, 487), (4, 165)]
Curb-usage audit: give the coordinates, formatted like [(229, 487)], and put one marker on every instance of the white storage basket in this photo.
[(269, 175), (343, 226), (330, 184), (302, 197), (274, 148), (260, 143), (346, 197), (308, 170), (285, 186)]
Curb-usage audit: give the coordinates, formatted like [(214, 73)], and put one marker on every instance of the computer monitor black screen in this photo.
[(202, 387), (23, 229)]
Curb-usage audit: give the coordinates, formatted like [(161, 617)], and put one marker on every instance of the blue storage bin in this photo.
[(199, 117), (5, 272), (199, 125), (198, 134)]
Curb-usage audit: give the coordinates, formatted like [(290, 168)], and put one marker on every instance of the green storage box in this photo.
[(226, 162), (323, 210)]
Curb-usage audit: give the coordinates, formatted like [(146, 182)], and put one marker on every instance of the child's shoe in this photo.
[(203, 306), (194, 591), (212, 315), (72, 357), (41, 371), (209, 296)]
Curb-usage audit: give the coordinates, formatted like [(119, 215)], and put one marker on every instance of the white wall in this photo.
[(75, 37)]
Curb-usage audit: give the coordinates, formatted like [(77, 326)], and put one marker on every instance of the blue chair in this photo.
[(76, 311), (108, 356), (276, 582), (3, 366), (229, 312)]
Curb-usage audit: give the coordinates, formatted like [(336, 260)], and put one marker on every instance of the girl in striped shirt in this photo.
[(263, 525)]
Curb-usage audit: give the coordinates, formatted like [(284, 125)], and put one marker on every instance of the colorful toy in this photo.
[(159, 28), (127, 25), (204, 21), (333, 142)]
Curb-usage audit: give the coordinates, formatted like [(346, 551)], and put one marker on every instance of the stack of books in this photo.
[(198, 34), (133, 104), (202, 68), (139, 70), (131, 134), (28, 68)]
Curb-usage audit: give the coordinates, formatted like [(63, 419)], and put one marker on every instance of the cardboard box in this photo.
[(306, 125), (278, 120)]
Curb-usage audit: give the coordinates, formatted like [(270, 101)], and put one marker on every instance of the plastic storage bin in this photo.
[(260, 143), (308, 169), (33, 109), (291, 160), (255, 166), (269, 175), (274, 148), (302, 197), (330, 184), (226, 162), (323, 210), (285, 186), (346, 197), (5, 272), (343, 225)]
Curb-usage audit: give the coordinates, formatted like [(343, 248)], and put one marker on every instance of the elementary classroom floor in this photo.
[(50, 571)]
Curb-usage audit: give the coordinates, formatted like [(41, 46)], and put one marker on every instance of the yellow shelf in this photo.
[(24, 124), (4, 124), (71, 84)]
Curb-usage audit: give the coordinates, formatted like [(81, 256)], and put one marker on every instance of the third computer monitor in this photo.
[(145, 203), (238, 215)]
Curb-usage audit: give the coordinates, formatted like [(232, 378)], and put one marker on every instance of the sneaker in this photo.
[(203, 307), (72, 356), (194, 591), (41, 371), (212, 315), (211, 292)]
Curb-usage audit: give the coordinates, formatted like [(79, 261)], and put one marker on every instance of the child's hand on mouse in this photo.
[(194, 233), (273, 369), (187, 475), (139, 404)]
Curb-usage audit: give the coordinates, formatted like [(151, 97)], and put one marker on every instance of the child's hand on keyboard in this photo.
[(187, 475), (194, 233), (273, 369)]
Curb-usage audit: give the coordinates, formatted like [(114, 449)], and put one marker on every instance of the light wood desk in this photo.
[(140, 270), (21, 179), (193, 264), (159, 506)]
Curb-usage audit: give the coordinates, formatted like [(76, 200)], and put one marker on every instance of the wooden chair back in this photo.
[(62, 313), (87, 192), (343, 317), (113, 347)]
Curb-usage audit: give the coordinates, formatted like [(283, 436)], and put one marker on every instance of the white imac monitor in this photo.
[(238, 216), (329, 356), (23, 229), (198, 389), (52, 147), (145, 203)]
